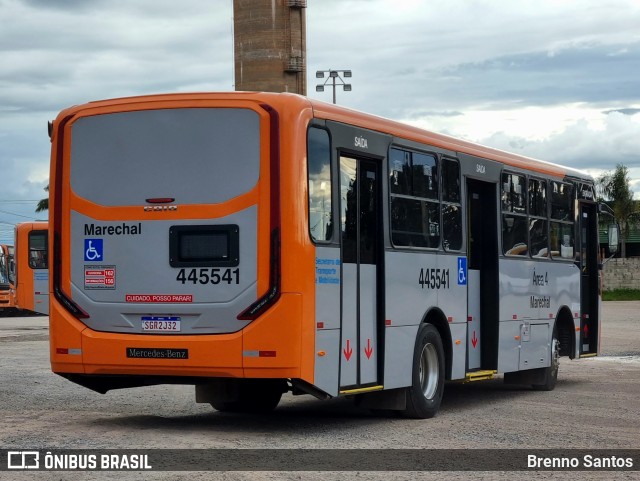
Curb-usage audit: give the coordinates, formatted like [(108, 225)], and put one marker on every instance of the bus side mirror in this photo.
[(614, 238)]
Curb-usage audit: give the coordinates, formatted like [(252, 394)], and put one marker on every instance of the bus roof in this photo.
[(33, 225), (332, 112), (325, 111)]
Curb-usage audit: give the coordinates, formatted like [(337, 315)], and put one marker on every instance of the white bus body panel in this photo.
[(369, 348), (327, 310), (408, 302), (41, 291), (531, 295)]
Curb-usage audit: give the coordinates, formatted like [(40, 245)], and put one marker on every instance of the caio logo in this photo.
[(160, 208)]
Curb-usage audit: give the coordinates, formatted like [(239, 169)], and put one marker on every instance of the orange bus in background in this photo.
[(32, 268), (255, 243), (7, 281)]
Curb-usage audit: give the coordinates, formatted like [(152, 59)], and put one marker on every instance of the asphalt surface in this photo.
[(594, 406)]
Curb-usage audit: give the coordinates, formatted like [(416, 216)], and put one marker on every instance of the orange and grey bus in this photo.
[(7, 281), (32, 268), (252, 244)]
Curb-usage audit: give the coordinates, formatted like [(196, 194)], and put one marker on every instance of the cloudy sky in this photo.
[(557, 80)]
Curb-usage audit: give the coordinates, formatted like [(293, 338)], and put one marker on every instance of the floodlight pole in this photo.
[(333, 75), (334, 89)]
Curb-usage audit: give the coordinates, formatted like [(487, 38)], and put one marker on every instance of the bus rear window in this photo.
[(193, 155)]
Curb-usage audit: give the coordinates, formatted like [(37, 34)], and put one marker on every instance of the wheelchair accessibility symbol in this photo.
[(93, 250), (462, 271)]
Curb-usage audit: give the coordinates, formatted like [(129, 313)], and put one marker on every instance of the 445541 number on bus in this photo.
[(433, 278), (205, 275)]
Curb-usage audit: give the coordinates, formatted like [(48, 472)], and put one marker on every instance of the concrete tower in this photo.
[(270, 45)]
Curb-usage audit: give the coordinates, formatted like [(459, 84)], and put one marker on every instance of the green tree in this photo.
[(43, 204), (615, 189)]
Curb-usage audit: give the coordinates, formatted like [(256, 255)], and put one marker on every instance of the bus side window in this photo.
[(4, 277), (12, 266), (38, 250), (514, 216), (513, 194), (319, 182), (538, 236), (538, 233), (415, 207), (425, 179), (514, 235), (562, 237), (451, 209)]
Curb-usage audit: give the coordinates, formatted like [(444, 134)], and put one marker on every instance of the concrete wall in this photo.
[(622, 274)]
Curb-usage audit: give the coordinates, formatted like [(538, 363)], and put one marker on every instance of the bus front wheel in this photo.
[(425, 393)]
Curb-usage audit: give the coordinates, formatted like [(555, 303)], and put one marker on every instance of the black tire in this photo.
[(550, 375), (254, 396), (425, 394)]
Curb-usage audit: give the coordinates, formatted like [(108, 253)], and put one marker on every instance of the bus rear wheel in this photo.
[(550, 374), (254, 396), (425, 393)]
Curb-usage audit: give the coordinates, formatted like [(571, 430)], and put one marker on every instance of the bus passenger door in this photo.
[(589, 280), (360, 243), (482, 282)]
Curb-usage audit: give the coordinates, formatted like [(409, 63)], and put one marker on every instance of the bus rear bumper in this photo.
[(93, 358)]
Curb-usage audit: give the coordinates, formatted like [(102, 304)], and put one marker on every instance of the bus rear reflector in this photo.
[(259, 353), (64, 350)]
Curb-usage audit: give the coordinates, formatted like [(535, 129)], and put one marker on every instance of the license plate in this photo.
[(160, 324)]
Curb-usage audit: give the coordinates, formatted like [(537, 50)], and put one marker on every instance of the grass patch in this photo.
[(621, 295)]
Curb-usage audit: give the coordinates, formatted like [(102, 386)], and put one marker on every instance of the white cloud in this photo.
[(534, 76), (580, 145), (585, 146)]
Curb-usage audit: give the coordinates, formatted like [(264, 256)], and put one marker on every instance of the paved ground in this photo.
[(595, 405)]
